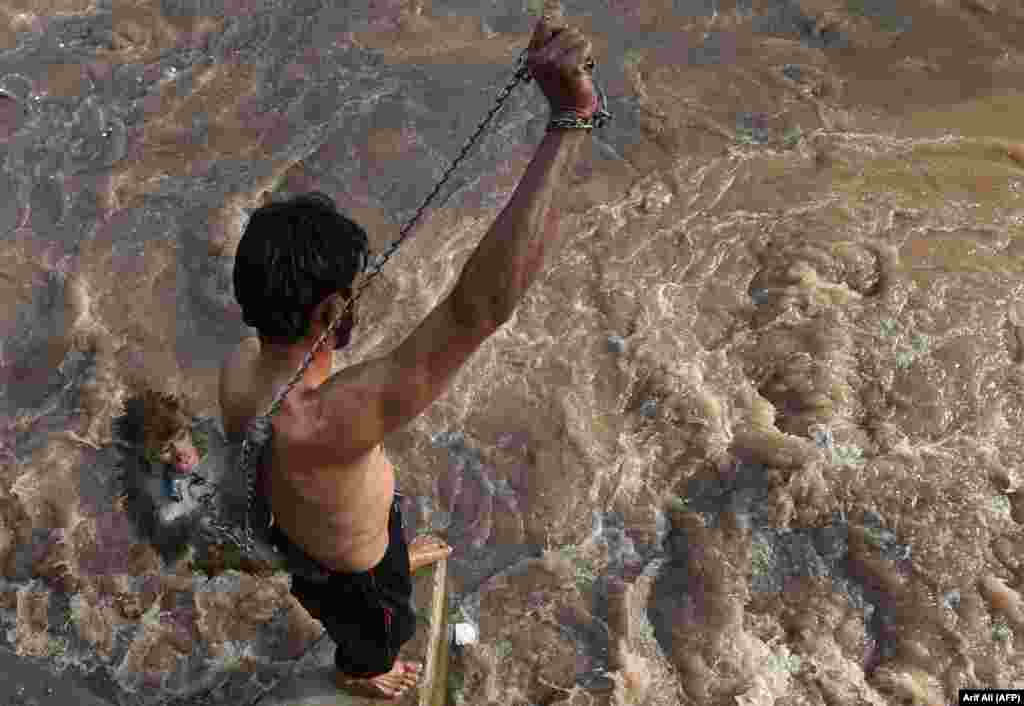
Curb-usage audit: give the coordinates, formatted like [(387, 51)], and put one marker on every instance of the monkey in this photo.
[(158, 427)]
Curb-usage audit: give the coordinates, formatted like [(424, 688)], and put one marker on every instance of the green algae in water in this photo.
[(989, 117), (850, 455), (585, 576), (677, 503), (761, 556), (1001, 632), (503, 648), (929, 176), (973, 177)]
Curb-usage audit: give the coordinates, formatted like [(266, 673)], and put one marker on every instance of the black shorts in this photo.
[(368, 614)]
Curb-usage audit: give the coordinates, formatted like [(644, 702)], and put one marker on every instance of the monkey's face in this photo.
[(180, 452)]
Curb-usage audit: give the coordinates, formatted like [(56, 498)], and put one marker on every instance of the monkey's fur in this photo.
[(152, 425), (152, 422)]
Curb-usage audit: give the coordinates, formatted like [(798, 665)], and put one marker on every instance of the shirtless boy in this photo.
[(330, 485)]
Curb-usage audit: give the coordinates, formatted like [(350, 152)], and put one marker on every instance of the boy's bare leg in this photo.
[(426, 549), (402, 677)]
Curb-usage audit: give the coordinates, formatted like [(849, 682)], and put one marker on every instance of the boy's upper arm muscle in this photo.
[(362, 404)]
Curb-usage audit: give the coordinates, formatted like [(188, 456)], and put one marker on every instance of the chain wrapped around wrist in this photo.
[(570, 120)]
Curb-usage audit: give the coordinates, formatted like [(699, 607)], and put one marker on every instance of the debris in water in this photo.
[(465, 634)]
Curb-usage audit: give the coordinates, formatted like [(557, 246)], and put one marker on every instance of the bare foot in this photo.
[(402, 677), (426, 549)]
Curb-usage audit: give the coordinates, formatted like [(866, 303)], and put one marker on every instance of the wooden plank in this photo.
[(435, 663)]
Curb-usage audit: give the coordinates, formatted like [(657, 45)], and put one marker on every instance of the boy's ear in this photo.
[(335, 307), (338, 302)]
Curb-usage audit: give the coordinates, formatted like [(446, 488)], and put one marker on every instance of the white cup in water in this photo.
[(465, 634)]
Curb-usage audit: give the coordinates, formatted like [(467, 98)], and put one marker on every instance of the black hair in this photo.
[(293, 255)]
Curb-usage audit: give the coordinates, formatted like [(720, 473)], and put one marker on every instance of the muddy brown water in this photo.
[(752, 438)]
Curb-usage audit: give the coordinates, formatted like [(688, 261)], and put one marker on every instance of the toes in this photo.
[(390, 686), (404, 682), (398, 684), (388, 681)]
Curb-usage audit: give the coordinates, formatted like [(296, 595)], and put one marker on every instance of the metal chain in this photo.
[(260, 427)]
